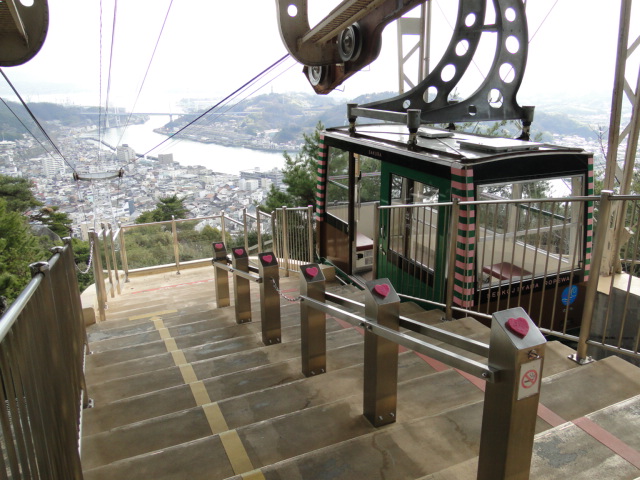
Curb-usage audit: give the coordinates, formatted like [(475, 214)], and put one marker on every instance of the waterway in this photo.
[(217, 158)]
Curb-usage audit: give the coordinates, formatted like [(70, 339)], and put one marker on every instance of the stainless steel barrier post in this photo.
[(242, 289), (269, 298), (221, 275), (511, 403), (313, 322), (98, 275), (381, 305)]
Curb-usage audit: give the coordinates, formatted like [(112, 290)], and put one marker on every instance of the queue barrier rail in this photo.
[(512, 373)]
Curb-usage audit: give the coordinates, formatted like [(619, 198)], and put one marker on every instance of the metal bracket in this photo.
[(495, 99), (348, 39)]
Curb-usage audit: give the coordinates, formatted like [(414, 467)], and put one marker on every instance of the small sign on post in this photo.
[(511, 402), (221, 275), (242, 289), (313, 324), (382, 306), (269, 298)]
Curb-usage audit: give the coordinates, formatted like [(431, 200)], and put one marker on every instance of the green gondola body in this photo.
[(413, 243)]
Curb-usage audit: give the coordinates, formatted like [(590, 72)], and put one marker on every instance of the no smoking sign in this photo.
[(529, 383)]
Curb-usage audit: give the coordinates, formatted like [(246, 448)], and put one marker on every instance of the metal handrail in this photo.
[(43, 340), (473, 346), (460, 362)]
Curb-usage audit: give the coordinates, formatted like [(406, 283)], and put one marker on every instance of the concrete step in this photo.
[(132, 385), (279, 438), (223, 321), (238, 361), (344, 350), (580, 391), (601, 444), (199, 344)]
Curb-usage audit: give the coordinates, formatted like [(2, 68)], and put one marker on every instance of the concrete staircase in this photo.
[(183, 392)]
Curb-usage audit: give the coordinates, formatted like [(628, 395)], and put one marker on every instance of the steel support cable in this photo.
[(100, 84), (252, 92), (144, 79), (26, 128), (218, 114), (113, 35), (232, 94), (33, 117)]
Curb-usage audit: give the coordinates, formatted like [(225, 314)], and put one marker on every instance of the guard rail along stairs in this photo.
[(186, 387)]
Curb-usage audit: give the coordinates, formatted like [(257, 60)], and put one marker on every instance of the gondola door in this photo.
[(352, 188), (413, 241), (338, 228)]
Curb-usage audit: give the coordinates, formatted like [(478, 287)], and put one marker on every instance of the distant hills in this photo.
[(290, 114), (296, 113)]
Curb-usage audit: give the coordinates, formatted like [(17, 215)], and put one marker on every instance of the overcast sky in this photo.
[(210, 47)]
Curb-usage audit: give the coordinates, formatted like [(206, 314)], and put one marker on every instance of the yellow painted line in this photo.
[(157, 322), (153, 314), (200, 393), (254, 475), (178, 357), (236, 452), (215, 418), (171, 345), (188, 374)]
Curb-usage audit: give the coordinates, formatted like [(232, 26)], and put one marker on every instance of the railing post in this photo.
[(376, 238), (310, 231), (285, 241), (245, 229), (223, 228), (604, 224), (221, 276), (381, 305), (114, 259), (241, 287), (98, 275), (176, 248), (313, 324), (275, 244), (123, 254), (259, 230), (269, 298), (107, 259), (451, 267), (511, 402)]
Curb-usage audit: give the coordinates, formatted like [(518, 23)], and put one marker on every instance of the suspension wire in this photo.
[(100, 85), (113, 35), (24, 104), (144, 79), (214, 118), (543, 20), (252, 92), (243, 99), (528, 42), (245, 85), (26, 128)]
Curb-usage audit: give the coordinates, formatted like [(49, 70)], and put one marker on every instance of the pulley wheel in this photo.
[(350, 43), (316, 74)]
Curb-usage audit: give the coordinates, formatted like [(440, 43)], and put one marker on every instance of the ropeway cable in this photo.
[(246, 84), (230, 106), (33, 117)]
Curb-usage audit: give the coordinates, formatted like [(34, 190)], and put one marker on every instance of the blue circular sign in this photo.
[(569, 295)]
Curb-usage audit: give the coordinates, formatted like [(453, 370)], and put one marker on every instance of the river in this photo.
[(217, 158)]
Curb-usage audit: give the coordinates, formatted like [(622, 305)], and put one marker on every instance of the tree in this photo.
[(166, 209), (18, 249), (17, 194), (57, 221), (299, 175)]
